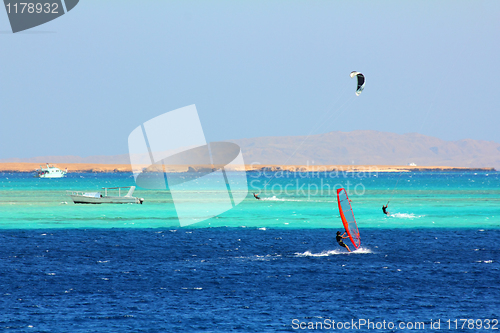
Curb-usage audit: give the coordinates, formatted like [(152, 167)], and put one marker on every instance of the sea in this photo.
[(268, 265)]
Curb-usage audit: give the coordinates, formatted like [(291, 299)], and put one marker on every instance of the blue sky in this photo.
[(80, 84)]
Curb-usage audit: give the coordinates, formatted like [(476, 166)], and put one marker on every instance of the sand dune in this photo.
[(88, 167)]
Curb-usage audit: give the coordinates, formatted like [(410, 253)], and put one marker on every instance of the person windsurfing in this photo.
[(340, 240), (384, 209), (256, 196)]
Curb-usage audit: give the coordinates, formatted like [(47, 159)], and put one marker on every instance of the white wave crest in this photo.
[(363, 250), (327, 253), (406, 216), (322, 254), (274, 198)]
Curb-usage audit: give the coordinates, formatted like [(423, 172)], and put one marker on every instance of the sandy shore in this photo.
[(72, 167), (80, 167)]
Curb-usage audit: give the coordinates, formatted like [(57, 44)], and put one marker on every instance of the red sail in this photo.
[(347, 217)]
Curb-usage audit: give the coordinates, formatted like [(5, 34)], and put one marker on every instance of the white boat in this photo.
[(50, 172), (98, 198)]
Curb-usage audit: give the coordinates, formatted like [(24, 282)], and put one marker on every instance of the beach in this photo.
[(107, 168)]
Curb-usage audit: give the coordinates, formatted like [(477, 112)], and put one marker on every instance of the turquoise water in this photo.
[(269, 265), (420, 200)]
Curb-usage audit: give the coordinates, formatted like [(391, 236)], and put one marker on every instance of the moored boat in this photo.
[(50, 172), (98, 198)]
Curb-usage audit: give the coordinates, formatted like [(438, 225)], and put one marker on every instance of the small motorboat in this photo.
[(50, 172), (98, 198)]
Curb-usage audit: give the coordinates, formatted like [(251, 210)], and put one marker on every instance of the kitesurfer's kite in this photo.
[(361, 82)]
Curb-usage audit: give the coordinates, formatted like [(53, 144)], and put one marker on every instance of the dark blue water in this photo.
[(244, 279)]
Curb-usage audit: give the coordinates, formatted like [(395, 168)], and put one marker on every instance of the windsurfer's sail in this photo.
[(347, 217)]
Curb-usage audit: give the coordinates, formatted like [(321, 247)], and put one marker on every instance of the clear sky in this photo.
[(80, 84)]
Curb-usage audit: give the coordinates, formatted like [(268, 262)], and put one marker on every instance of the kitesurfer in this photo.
[(340, 240), (256, 196), (384, 209)]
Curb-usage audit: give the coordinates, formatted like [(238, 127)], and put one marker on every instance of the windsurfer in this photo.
[(340, 240), (384, 209)]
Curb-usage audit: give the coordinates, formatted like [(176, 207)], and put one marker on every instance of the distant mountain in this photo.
[(341, 148), (370, 148)]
